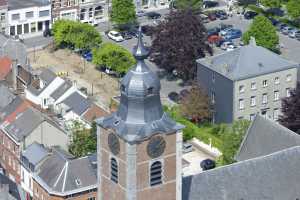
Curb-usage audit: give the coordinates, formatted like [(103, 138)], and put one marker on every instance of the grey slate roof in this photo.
[(10, 108), (58, 174), (6, 96), (265, 137), (24, 124), (61, 90), (272, 177), (19, 4), (246, 62), (35, 153), (47, 76), (78, 103), (140, 113), (14, 49)]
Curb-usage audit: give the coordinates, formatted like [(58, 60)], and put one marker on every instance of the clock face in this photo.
[(156, 146), (113, 143)]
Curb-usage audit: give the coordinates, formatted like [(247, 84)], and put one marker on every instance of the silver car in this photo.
[(293, 33)]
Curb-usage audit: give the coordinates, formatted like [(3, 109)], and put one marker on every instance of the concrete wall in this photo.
[(260, 90), (223, 89), (48, 135)]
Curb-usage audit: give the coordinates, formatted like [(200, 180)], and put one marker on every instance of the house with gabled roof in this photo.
[(28, 127), (246, 81)]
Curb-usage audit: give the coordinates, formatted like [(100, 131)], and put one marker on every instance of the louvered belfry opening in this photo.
[(156, 173), (114, 170)]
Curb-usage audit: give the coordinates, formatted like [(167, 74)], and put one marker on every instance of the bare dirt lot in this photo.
[(64, 61)]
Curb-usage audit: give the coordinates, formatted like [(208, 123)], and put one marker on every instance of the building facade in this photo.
[(139, 146), (246, 81), (28, 18), (93, 11), (151, 4), (64, 9), (3, 16)]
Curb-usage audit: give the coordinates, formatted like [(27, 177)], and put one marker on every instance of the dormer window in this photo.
[(150, 91)]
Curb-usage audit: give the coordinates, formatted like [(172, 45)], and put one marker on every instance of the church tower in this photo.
[(139, 146)]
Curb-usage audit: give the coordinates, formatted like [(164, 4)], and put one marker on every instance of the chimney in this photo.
[(14, 74)]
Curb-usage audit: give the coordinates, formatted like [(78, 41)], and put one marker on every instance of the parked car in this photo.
[(115, 35), (140, 13), (280, 26), (226, 44), (273, 21), (88, 56), (275, 11), (210, 4), (233, 34), (225, 31), (231, 47), (211, 16), (187, 147), (47, 33), (126, 35), (250, 14), (213, 39), (204, 18), (174, 96), (293, 33), (297, 36), (221, 14), (207, 164), (213, 31), (147, 30), (286, 30), (153, 15), (223, 26)]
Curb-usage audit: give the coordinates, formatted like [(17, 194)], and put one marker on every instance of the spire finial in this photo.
[(139, 51)]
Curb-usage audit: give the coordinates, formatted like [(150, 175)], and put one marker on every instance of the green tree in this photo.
[(264, 33), (123, 12), (293, 8), (245, 3), (69, 33), (185, 4), (84, 141), (232, 138), (271, 3), (114, 57)]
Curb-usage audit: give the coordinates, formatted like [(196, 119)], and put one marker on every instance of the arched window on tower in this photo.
[(156, 173), (114, 170)]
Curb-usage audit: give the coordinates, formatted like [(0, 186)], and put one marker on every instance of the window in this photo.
[(26, 28), (2, 18), (253, 101), (253, 86), (276, 114), (288, 78), (15, 16), (213, 77), (114, 170), (213, 97), (264, 98), (252, 116), (288, 92), (12, 30), (265, 83), (241, 104), (276, 95), (91, 198), (156, 173), (44, 13), (40, 26), (19, 29), (33, 27), (150, 90), (29, 14), (242, 89), (276, 80)]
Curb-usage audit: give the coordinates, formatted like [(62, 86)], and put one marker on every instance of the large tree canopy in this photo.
[(293, 8), (123, 12), (196, 105), (178, 41), (271, 3), (264, 33), (76, 34), (290, 117), (114, 57)]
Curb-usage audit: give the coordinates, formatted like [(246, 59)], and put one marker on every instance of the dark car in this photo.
[(275, 11), (174, 96), (47, 33), (147, 30), (221, 14), (212, 16), (207, 164), (210, 4), (250, 14), (273, 21), (233, 34), (213, 31), (153, 15), (225, 26), (126, 35), (88, 56)]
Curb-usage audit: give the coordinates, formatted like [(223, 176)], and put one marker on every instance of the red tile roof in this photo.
[(94, 112), (21, 108), (5, 67)]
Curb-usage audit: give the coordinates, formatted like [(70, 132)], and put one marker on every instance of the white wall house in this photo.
[(28, 18), (148, 5), (93, 11)]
